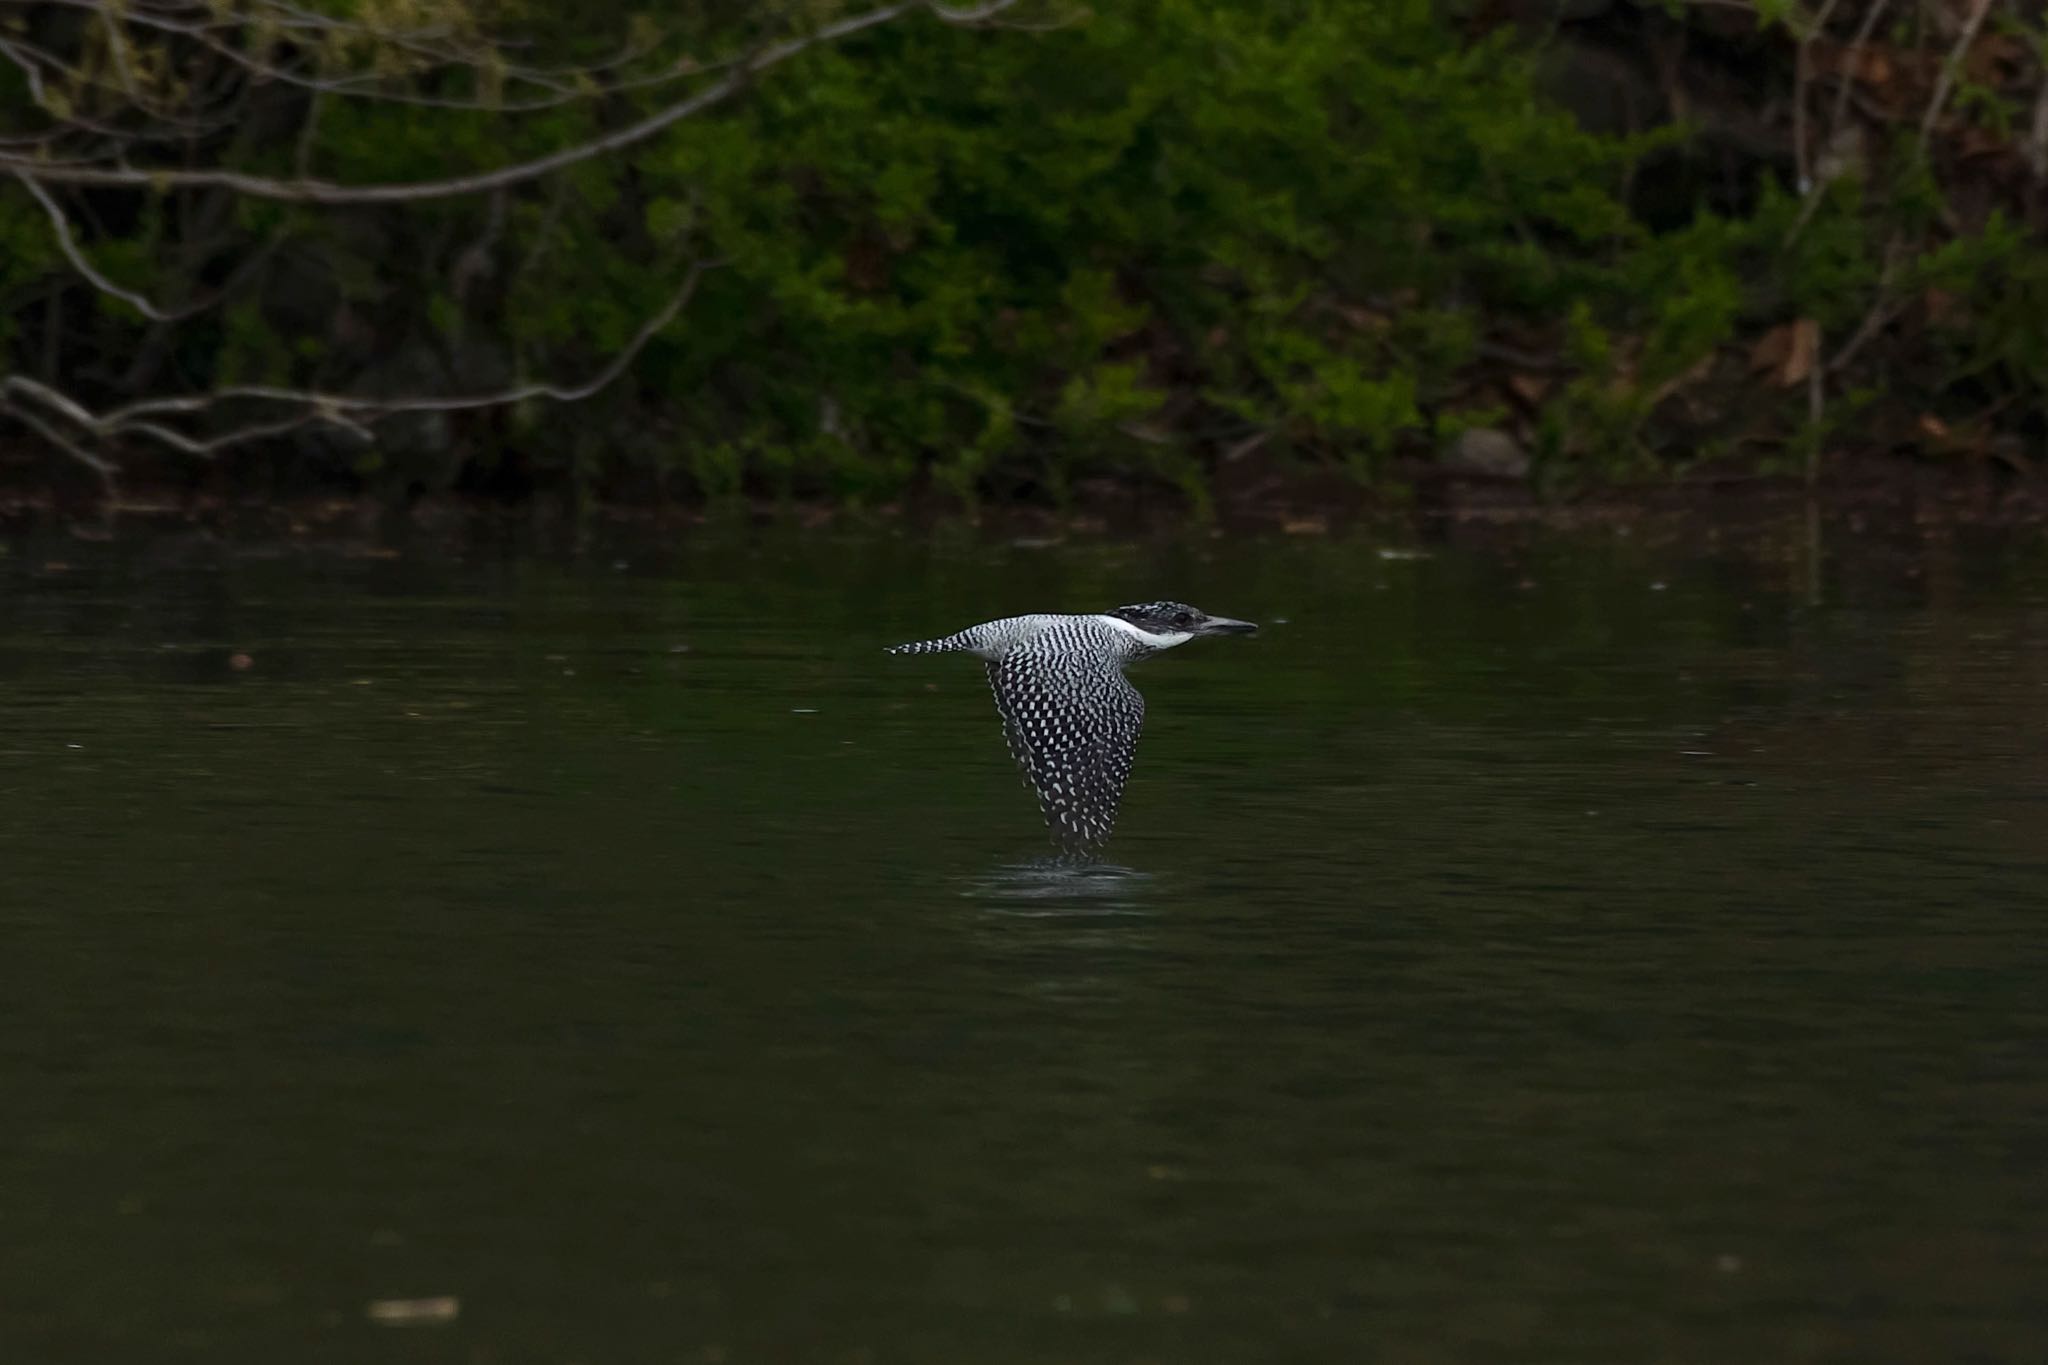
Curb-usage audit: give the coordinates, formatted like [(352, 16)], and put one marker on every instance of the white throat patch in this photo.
[(1146, 637)]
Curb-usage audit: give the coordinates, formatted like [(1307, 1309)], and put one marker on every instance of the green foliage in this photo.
[(1003, 260), (1188, 199)]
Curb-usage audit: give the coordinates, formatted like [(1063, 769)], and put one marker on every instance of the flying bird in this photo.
[(1069, 714)]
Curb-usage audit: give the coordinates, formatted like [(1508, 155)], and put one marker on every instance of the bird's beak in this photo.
[(1223, 625)]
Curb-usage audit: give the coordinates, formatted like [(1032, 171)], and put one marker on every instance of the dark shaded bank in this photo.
[(1580, 242), (1886, 493)]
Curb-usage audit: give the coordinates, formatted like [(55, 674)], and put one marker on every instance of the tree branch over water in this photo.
[(165, 178), (144, 142)]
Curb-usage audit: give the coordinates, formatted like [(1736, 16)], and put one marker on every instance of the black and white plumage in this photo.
[(1069, 714)]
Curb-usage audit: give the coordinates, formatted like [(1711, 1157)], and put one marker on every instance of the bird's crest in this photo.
[(1159, 618)]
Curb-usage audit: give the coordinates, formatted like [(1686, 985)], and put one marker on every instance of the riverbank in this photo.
[(1869, 489), (1358, 238)]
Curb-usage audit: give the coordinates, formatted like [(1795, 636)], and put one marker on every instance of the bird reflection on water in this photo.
[(1062, 886), (1066, 929)]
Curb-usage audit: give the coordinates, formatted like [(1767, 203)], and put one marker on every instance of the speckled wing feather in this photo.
[(1072, 721)]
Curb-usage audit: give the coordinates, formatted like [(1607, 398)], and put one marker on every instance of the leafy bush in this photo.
[(1008, 261)]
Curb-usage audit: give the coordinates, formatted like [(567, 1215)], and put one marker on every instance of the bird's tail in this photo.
[(940, 646)]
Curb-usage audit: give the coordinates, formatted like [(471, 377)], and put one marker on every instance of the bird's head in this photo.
[(1163, 625)]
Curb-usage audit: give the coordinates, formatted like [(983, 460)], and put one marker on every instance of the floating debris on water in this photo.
[(414, 1312)]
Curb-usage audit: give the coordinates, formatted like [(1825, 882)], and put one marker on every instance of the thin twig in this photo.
[(1844, 88), (309, 132), (1850, 59), (327, 192), (13, 383), (2037, 136), (1946, 81), (1802, 75), (1881, 309), (84, 266), (349, 411), (1816, 407), (131, 415), (566, 84)]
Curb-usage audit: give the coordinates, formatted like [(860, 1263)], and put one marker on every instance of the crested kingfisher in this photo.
[(1070, 716)]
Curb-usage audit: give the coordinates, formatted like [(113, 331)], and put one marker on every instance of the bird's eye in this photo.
[(1183, 618)]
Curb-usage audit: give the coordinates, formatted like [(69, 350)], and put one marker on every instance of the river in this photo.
[(1550, 947)]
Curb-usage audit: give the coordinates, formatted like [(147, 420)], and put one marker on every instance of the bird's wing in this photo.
[(1072, 721)]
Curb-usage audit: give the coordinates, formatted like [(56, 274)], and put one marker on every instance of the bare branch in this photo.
[(1802, 76), (117, 120), (364, 405), (32, 61), (145, 419), (117, 49), (13, 384), (1843, 91), (2037, 136), (1837, 118), (1882, 307), (975, 15), (276, 15), (328, 192), (565, 85), (302, 150), (1946, 81), (79, 262)]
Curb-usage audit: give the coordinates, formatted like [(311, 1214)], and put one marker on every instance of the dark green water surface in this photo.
[(1564, 950)]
